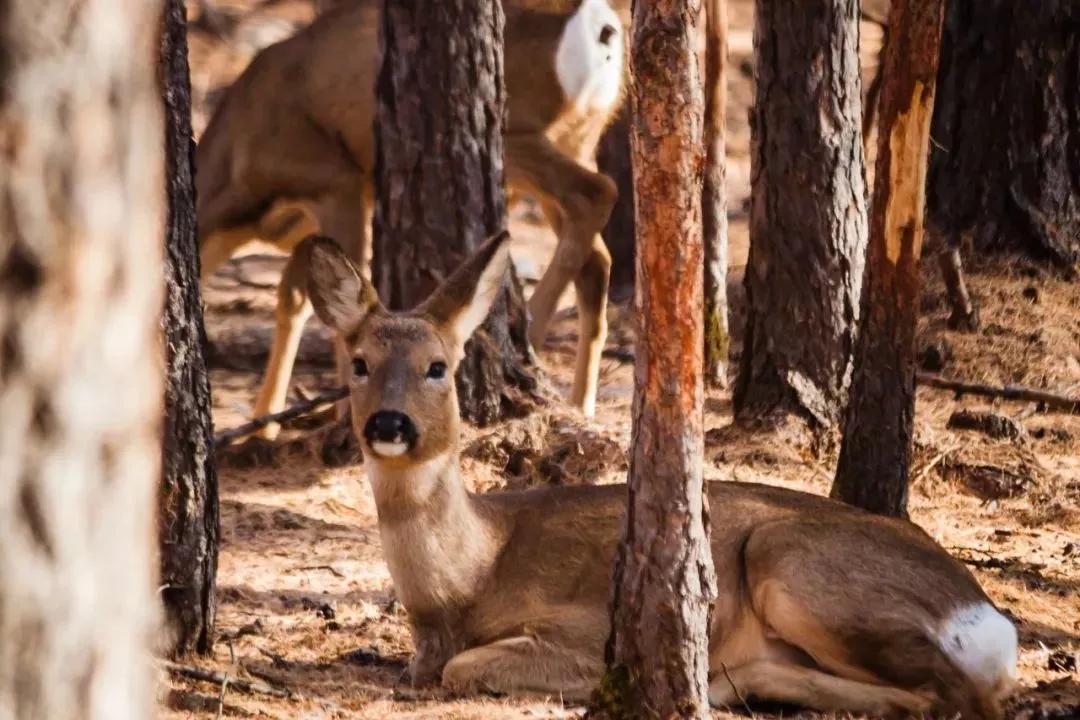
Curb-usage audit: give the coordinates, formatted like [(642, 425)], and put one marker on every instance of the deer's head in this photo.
[(404, 404)]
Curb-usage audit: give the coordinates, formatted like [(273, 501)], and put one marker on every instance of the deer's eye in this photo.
[(437, 370), (359, 368)]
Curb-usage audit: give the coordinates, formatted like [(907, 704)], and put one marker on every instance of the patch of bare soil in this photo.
[(305, 600)]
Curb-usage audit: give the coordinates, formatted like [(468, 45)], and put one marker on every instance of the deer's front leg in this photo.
[(433, 650), (524, 664)]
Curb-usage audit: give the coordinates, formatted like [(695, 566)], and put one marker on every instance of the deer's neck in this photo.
[(438, 545)]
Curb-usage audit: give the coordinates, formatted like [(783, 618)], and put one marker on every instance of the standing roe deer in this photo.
[(820, 604), (289, 151)]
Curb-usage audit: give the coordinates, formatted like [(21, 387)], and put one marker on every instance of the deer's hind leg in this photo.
[(577, 202), (800, 685), (524, 664)]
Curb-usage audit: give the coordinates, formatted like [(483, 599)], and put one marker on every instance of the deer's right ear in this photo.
[(341, 296)]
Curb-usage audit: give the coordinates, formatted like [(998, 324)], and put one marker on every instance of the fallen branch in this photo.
[(227, 436), (1050, 400), (248, 686)]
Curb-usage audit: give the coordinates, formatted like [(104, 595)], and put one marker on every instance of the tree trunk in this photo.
[(439, 179), (714, 200), (188, 499), (876, 451), (664, 580), (808, 216), (80, 390), (1006, 128), (613, 159)]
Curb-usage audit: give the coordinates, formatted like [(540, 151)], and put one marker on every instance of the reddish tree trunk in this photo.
[(876, 452), (664, 580)]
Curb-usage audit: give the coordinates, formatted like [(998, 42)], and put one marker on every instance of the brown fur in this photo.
[(820, 603), (289, 152)]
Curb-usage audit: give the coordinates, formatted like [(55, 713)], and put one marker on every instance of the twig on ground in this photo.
[(932, 463), (221, 697), (227, 436), (1050, 400), (329, 568), (248, 686), (738, 695)]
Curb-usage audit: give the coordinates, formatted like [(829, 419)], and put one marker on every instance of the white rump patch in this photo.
[(589, 60), (389, 449), (982, 642)]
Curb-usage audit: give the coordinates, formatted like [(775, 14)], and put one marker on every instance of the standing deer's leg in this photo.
[(591, 286), (216, 250), (577, 202), (293, 310)]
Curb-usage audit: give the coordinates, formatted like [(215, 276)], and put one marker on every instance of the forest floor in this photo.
[(305, 600)]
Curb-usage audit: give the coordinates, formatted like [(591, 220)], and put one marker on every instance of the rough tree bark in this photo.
[(876, 452), (808, 215), (80, 390), (439, 179), (714, 199), (613, 159), (664, 580), (188, 499), (1006, 128)]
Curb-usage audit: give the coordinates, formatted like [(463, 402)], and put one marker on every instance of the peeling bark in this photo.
[(808, 216), (439, 180), (188, 499), (81, 219), (876, 452), (664, 579)]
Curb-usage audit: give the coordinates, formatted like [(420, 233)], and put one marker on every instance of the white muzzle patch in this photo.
[(389, 449), (589, 59)]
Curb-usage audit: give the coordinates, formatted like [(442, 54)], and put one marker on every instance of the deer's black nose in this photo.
[(390, 426)]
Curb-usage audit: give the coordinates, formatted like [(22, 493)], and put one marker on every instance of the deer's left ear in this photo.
[(462, 302)]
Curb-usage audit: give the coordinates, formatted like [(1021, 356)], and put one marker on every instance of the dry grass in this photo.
[(306, 602)]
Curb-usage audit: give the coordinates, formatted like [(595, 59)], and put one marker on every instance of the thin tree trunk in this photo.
[(439, 179), (876, 452), (664, 579), (808, 216), (613, 159), (188, 500), (714, 200), (1006, 128), (80, 366)]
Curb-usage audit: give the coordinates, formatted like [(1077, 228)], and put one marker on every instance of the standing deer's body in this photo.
[(820, 604), (290, 151)]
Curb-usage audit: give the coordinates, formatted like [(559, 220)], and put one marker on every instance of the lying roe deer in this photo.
[(289, 151), (820, 604)]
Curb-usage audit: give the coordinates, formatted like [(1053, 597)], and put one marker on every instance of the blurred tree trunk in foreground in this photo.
[(188, 506), (80, 362), (876, 452), (714, 200), (439, 179), (664, 580), (808, 215)]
